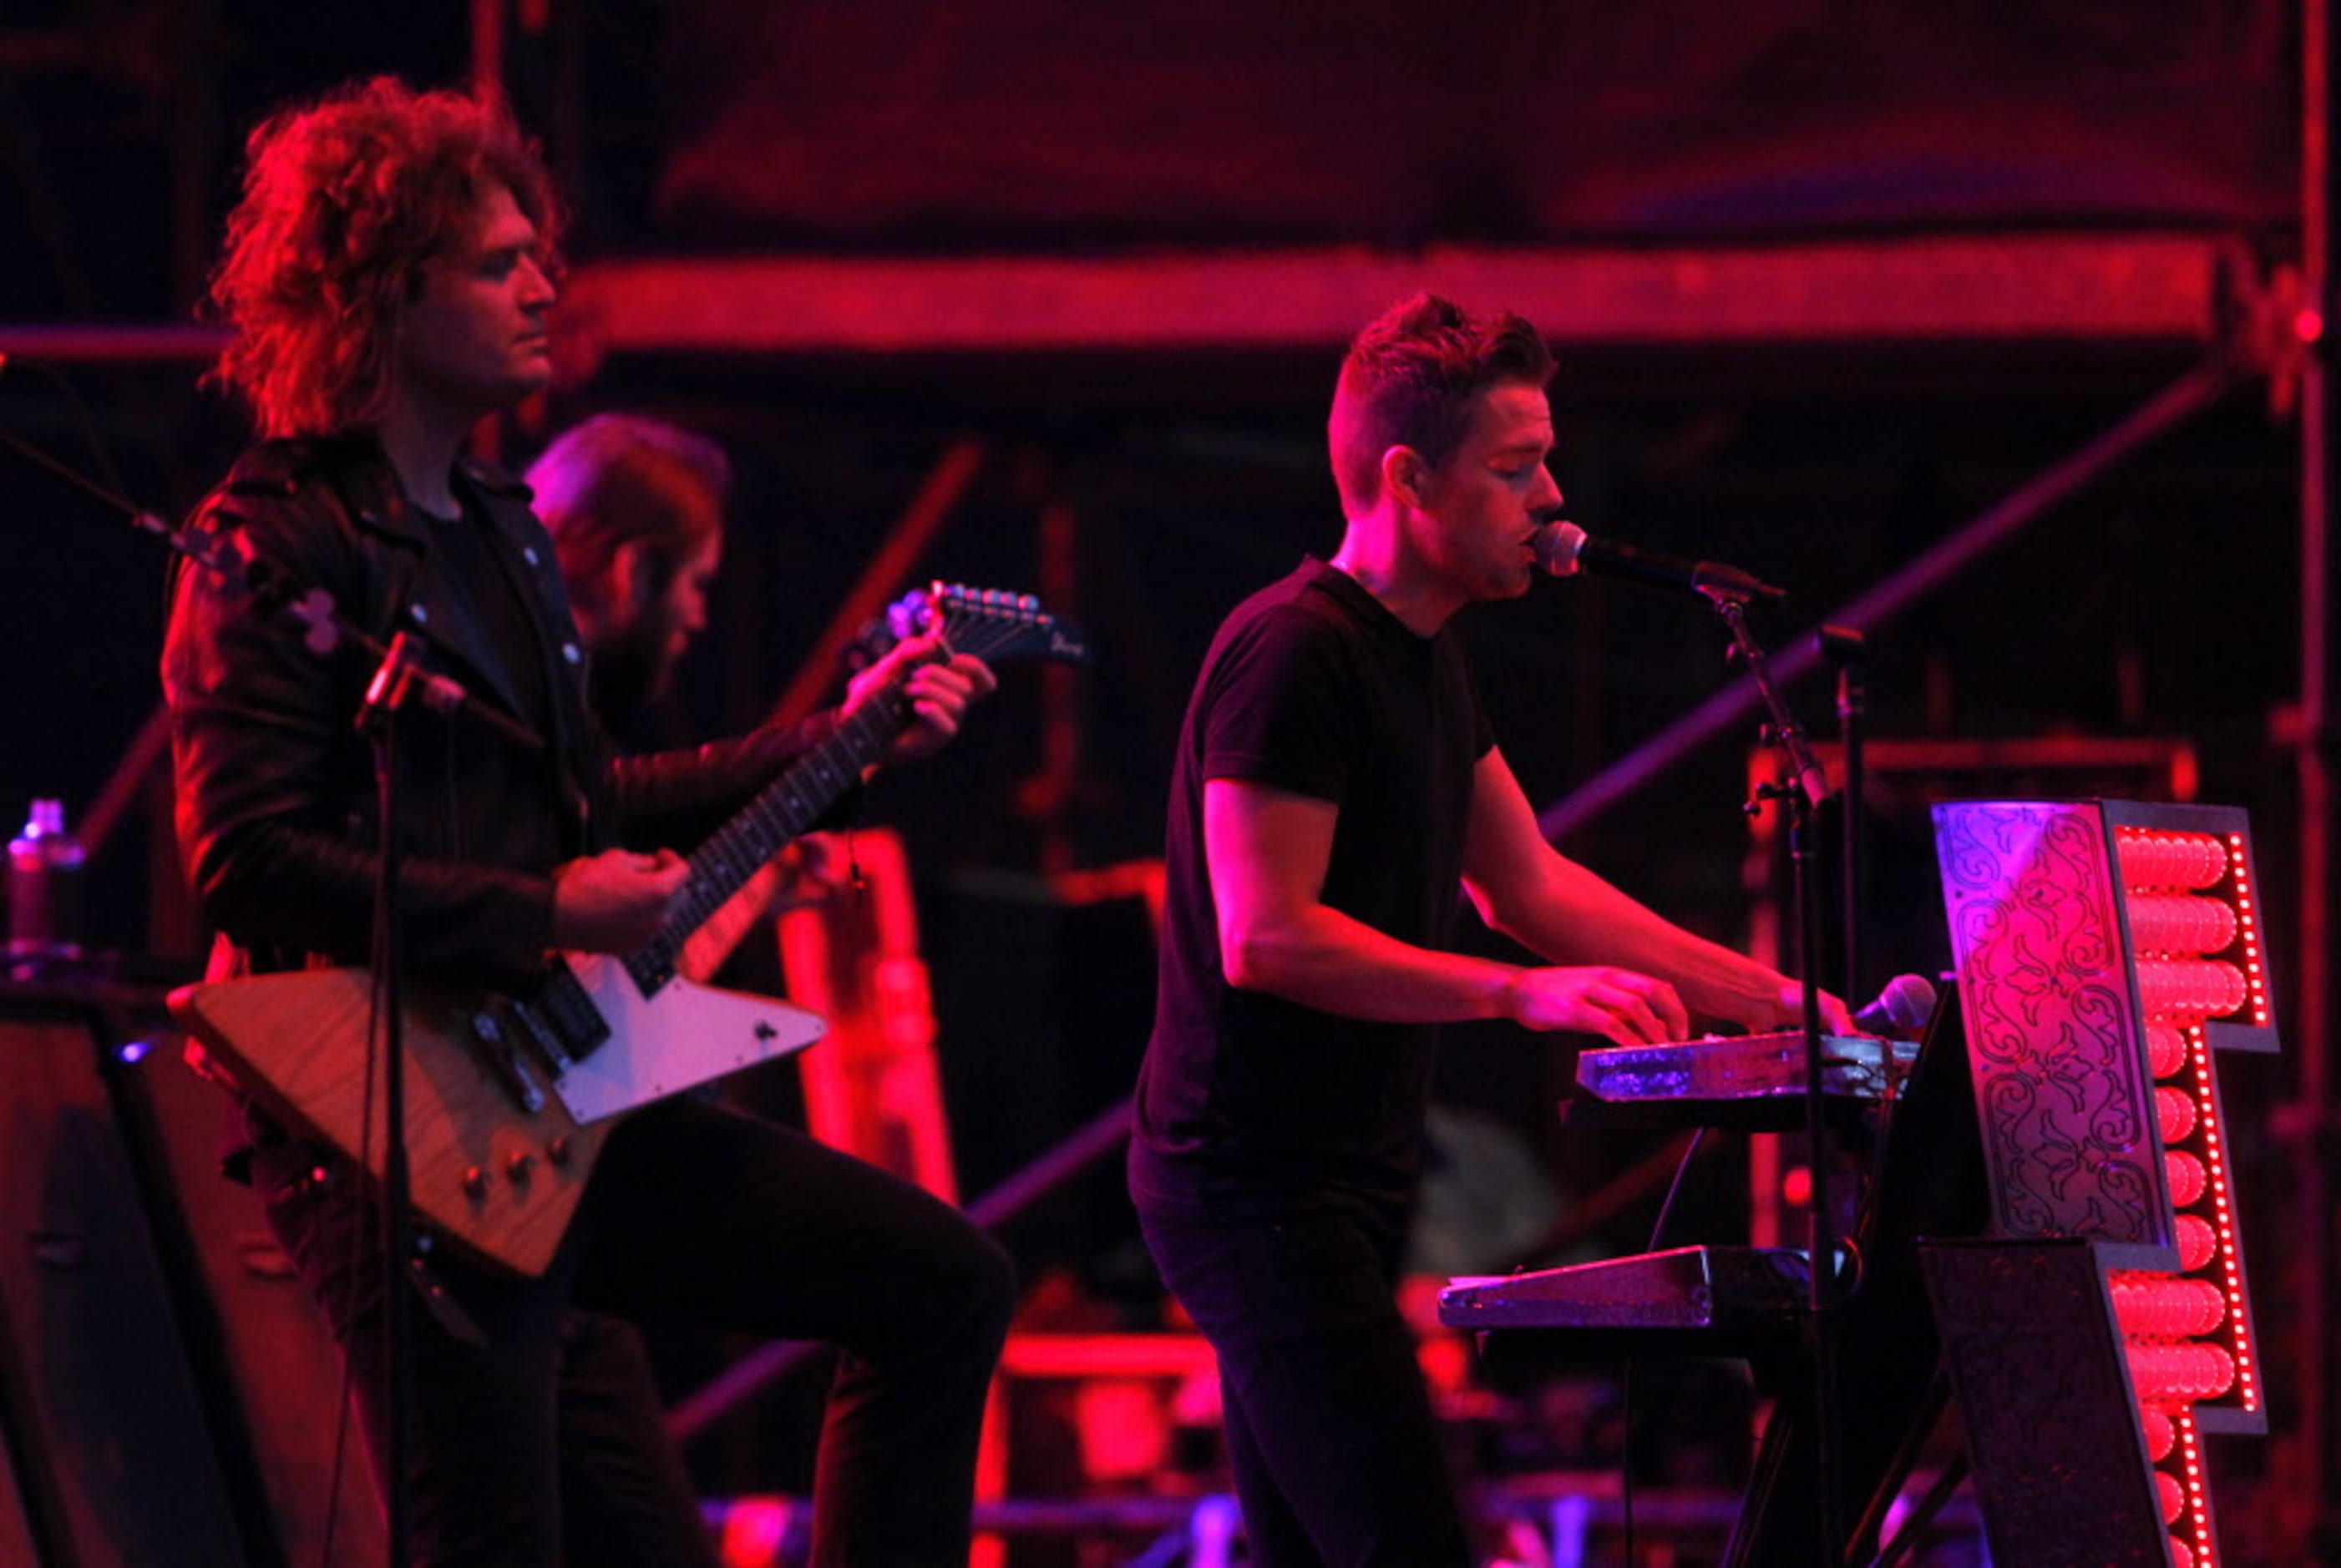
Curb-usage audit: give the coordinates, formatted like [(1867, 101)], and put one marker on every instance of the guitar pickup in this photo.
[(561, 1018), (499, 1055)]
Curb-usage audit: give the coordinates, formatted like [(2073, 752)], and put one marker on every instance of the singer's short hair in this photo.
[(620, 479), (1409, 380), (345, 201)]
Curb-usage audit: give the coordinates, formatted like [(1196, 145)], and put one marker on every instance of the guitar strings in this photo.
[(716, 874)]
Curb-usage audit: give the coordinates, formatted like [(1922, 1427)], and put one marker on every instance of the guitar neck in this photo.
[(988, 624), (785, 809)]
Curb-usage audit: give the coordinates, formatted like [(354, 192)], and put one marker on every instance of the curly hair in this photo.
[(1409, 380), (345, 201)]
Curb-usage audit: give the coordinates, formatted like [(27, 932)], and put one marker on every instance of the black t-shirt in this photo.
[(1311, 686), (484, 574)]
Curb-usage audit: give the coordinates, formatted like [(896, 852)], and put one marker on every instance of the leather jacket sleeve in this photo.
[(276, 797), (676, 798)]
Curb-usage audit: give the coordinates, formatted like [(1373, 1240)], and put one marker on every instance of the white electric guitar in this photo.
[(508, 1100)]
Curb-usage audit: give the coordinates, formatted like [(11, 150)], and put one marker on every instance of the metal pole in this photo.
[(920, 520), (2312, 1487), (488, 50)]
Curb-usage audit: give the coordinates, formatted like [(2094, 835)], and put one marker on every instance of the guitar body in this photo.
[(488, 1172), (674, 1040)]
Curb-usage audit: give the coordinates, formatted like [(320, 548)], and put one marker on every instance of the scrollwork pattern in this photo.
[(2060, 1084)]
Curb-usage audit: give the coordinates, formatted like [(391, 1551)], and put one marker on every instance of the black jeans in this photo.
[(546, 1448), (1330, 1429)]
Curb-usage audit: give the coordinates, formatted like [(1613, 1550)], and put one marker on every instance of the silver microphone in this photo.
[(1901, 1011), (1564, 550)]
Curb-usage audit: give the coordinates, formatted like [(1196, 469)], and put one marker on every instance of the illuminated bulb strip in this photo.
[(2198, 1243), (2186, 1177), (2190, 989), (2248, 922), (2174, 1113), (2178, 1471), (2184, 1372), (2180, 924), (2161, 1436), (2193, 958), (2165, 1049), (2150, 859), (2198, 1518), (2226, 1252), (2163, 1307)]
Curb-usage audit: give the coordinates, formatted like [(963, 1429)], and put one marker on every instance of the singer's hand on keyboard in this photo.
[(1788, 1012), (1620, 1005)]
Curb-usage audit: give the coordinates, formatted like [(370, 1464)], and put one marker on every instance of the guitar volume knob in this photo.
[(475, 1183), (519, 1165)]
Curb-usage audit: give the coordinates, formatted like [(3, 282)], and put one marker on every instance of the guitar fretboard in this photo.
[(985, 625), (787, 807)]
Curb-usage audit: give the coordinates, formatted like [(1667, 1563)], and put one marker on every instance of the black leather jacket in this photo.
[(276, 797)]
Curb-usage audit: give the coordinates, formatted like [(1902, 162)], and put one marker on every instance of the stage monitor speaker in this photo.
[(284, 1373), (109, 1432)]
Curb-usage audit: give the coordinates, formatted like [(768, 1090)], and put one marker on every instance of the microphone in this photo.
[(1563, 549), (1901, 1011)]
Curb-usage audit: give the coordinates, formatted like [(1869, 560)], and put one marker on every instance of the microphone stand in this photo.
[(1849, 651), (1804, 788), (314, 608), (385, 697)]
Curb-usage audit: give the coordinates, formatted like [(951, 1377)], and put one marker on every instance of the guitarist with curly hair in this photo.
[(386, 278)]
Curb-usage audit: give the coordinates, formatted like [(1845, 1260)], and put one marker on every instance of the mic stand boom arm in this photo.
[(328, 628), (313, 607), (387, 694), (1804, 788)]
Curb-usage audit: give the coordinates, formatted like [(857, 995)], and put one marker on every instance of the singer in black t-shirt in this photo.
[(1336, 789)]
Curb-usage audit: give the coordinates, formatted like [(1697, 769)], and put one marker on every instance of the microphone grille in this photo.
[(1902, 1010), (1557, 544), (1909, 1001)]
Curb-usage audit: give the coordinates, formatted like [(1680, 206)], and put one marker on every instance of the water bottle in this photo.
[(45, 886)]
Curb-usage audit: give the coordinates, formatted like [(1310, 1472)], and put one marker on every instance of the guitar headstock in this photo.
[(993, 624)]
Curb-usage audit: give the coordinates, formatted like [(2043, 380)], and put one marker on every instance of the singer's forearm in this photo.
[(1266, 851), (1322, 959), (1563, 912)]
